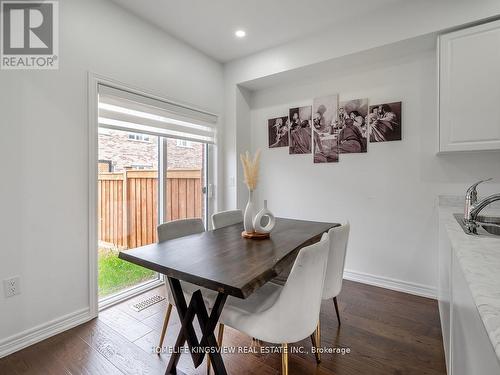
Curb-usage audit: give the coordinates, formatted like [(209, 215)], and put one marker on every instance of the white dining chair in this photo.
[(179, 228), (226, 218), (169, 231), (287, 314), (339, 238)]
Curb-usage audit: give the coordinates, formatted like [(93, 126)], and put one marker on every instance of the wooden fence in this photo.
[(128, 204)]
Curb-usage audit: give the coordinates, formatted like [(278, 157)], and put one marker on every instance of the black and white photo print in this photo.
[(300, 130), (278, 132), (384, 121), (325, 111), (351, 126)]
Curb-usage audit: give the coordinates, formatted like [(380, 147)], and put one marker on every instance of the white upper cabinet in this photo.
[(469, 89)]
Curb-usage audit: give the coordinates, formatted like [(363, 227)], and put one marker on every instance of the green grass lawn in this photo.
[(116, 274)]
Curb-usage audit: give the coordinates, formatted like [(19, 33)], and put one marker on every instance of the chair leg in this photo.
[(220, 336), (165, 325), (284, 360), (336, 308), (316, 341), (219, 341)]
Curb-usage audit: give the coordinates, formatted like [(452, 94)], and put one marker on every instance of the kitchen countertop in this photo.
[(479, 258)]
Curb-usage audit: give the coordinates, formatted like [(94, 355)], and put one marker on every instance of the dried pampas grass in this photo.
[(251, 169)]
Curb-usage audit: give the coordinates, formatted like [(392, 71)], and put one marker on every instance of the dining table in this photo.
[(223, 261)]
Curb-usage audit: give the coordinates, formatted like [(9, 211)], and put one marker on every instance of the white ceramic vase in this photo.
[(257, 221), (249, 214)]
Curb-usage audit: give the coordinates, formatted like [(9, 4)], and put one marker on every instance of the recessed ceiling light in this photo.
[(240, 33)]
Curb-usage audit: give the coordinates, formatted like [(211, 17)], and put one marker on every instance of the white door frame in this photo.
[(93, 82)]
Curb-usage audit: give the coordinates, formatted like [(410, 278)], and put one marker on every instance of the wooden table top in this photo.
[(222, 260)]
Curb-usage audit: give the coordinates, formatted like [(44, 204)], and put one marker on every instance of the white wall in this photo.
[(389, 193), (384, 26), (44, 150)]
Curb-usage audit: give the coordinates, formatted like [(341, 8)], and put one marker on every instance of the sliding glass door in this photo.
[(133, 198), (152, 169), (128, 209)]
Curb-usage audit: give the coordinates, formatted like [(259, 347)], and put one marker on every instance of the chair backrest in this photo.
[(339, 237), (226, 218), (296, 311), (179, 228)]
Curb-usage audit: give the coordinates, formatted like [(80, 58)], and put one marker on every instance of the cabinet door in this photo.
[(472, 350), (469, 89), (444, 290)]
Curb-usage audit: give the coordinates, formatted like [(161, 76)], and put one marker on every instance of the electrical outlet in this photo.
[(12, 286)]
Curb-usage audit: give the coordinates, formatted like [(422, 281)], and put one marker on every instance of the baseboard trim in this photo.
[(43, 331), (393, 284)]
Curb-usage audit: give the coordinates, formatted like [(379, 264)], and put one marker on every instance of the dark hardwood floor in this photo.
[(387, 332)]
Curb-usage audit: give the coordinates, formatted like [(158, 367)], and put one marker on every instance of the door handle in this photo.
[(208, 190)]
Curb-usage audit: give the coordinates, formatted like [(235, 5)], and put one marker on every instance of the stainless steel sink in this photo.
[(492, 229), (487, 225)]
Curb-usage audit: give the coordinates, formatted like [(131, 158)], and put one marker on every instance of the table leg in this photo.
[(208, 324), (187, 333)]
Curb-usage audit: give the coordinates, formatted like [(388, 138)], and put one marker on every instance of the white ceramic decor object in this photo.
[(251, 173), (249, 214), (257, 221)]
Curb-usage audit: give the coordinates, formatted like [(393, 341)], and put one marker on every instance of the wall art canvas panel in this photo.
[(384, 121), (352, 126), (300, 130), (278, 132), (325, 112)]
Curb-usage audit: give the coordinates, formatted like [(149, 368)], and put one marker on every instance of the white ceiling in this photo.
[(209, 25)]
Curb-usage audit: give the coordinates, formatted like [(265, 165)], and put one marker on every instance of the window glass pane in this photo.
[(127, 205), (185, 180)]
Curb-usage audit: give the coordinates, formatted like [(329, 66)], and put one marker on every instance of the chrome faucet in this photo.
[(471, 198), (473, 207)]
